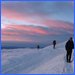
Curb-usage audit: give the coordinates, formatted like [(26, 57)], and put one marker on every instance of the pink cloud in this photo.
[(58, 24), (23, 33), (41, 20), (27, 29), (23, 30), (17, 16)]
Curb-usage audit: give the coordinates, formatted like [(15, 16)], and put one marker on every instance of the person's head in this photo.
[(71, 38)]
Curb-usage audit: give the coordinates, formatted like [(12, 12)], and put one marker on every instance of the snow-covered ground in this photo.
[(34, 61)]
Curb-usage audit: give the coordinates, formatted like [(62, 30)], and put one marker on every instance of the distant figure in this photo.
[(54, 44), (69, 47), (38, 46)]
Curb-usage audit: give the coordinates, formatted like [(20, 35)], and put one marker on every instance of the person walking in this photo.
[(69, 48), (38, 46), (54, 44)]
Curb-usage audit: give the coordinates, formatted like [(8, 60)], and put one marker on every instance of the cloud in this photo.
[(25, 33), (34, 12), (37, 20), (37, 7), (21, 32)]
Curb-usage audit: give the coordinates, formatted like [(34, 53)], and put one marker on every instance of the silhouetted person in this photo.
[(69, 47), (54, 44), (38, 46)]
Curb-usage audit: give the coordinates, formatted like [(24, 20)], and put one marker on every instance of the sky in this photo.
[(37, 22)]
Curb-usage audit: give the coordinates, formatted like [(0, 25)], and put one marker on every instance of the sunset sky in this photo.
[(36, 21)]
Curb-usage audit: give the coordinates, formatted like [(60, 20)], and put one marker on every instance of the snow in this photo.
[(34, 61)]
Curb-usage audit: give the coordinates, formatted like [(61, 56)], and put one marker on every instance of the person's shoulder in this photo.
[(68, 42)]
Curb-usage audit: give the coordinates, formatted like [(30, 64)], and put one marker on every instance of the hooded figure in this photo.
[(69, 47)]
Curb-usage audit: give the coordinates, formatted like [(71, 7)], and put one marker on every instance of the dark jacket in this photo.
[(69, 45)]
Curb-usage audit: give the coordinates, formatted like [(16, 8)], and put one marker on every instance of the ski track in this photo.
[(29, 63)]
